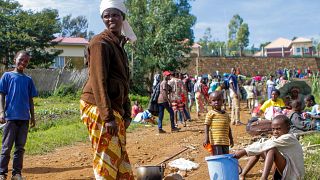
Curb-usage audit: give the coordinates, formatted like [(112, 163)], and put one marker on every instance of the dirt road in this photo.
[(145, 147)]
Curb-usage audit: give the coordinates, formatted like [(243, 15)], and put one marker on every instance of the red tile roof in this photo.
[(71, 40), (196, 45)]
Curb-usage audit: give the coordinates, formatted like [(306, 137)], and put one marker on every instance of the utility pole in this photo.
[(132, 64), (197, 61)]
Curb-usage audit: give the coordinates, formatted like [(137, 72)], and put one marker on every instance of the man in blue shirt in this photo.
[(16, 110), (234, 94)]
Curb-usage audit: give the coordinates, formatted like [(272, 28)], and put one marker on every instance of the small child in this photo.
[(145, 117), (315, 111), (217, 126), (282, 149), (17, 111), (135, 109), (256, 110), (298, 123), (250, 94)]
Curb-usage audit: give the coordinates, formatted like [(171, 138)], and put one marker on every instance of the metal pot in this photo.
[(150, 172)]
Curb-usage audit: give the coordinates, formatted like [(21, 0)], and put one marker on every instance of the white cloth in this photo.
[(119, 4), (315, 109), (183, 164), (289, 146), (249, 90), (270, 84)]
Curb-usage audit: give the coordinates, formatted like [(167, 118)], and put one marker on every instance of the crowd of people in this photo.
[(295, 113)]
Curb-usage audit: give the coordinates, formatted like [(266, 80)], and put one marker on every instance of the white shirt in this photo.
[(289, 146), (270, 83)]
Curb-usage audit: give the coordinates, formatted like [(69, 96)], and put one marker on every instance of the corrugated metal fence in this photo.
[(47, 80)]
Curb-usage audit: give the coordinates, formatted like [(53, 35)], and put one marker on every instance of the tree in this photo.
[(211, 47), (217, 48), (28, 30), (204, 42), (164, 36), (238, 35), (75, 27), (243, 37)]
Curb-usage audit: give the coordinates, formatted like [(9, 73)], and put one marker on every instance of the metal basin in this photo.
[(150, 172)]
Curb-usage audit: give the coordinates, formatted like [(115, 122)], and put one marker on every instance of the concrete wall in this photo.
[(302, 46), (250, 65), (70, 50)]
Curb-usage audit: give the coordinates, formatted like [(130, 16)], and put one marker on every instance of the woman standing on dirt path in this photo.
[(105, 104)]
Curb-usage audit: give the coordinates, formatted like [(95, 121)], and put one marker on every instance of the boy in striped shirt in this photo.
[(217, 126)]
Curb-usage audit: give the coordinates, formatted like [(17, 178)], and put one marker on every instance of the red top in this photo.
[(257, 109), (134, 111)]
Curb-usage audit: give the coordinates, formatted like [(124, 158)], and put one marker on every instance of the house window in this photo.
[(306, 50), (58, 62), (298, 50)]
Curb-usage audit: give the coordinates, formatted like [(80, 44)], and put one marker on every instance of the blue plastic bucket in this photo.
[(223, 167)]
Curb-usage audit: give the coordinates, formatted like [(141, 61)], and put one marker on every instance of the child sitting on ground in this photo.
[(217, 126), (135, 109), (314, 114), (298, 123), (145, 117), (283, 149), (315, 111)]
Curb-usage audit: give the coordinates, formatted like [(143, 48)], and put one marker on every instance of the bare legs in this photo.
[(271, 156)]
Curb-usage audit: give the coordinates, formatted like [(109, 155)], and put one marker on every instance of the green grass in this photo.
[(312, 161), (41, 142), (58, 124)]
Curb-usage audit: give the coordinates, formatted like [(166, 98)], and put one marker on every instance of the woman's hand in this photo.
[(112, 127)]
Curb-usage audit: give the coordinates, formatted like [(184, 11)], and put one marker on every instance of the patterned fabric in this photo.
[(219, 127), (200, 102), (110, 159)]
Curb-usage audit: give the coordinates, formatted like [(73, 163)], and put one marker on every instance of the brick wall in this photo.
[(250, 65)]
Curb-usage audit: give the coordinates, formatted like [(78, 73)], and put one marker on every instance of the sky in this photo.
[(267, 19)]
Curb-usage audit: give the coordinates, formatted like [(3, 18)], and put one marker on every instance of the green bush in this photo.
[(65, 90), (143, 100)]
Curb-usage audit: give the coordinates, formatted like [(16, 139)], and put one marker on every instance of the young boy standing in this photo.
[(16, 110), (217, 126)]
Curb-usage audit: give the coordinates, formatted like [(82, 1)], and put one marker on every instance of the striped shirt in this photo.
[(219, 127)]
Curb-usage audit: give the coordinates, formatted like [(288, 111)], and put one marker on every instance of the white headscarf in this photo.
[(119, 4)]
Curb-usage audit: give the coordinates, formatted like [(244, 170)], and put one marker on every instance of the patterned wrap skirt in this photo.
[(110, 159)]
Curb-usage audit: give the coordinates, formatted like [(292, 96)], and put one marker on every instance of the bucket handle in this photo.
[(240, 168)]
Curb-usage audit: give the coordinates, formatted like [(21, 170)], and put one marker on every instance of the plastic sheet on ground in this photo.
[(183, 164)]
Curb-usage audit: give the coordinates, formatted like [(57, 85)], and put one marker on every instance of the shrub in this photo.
[(143, 100), (65, 90)]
